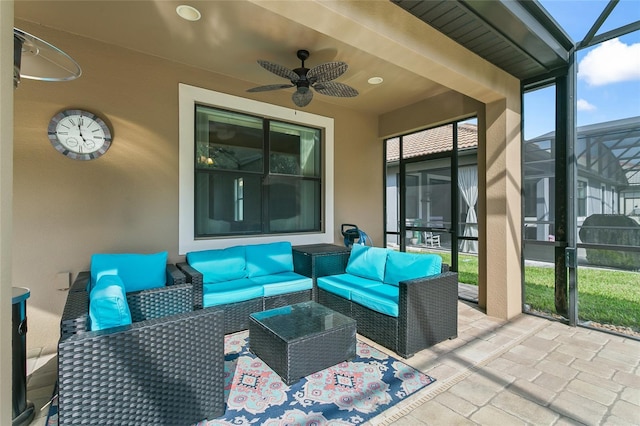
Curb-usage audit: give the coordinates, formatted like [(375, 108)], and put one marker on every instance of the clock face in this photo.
[(79, 135)]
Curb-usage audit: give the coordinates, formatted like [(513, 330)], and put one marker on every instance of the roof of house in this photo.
[(431, 141)]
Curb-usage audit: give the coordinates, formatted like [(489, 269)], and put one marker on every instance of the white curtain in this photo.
[(468, 184)]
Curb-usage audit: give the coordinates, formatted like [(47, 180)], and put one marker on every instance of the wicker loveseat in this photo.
[(166, 367), (403, 301), (245, 279)]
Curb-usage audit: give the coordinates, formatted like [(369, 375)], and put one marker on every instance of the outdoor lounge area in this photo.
[(182, 185), (526, 371)]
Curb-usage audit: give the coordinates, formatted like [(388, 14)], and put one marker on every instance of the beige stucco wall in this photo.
[(65, 210)]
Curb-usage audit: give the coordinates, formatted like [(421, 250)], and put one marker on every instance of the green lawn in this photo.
[(604, 296)]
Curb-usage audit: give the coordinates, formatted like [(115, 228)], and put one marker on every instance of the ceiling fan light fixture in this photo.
[(35, 59), (319, 78), (188, 13)]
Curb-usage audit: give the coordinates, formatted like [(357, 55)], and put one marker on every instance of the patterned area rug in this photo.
[(345, 394)]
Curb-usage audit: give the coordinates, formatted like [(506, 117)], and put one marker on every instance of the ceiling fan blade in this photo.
[(333, 88), (279, 70), (270, 87), (302, 96), (327, 71)]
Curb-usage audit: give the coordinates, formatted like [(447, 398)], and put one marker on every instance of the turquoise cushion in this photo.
[(137, 271), (219, 265), (343, 284), (230, 292), (407, 266), (282, 283), (108, 303), (367, 262), (267, 259), (382, 298)]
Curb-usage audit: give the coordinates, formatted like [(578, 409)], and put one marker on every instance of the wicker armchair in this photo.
[(165, 368), (427, 314)]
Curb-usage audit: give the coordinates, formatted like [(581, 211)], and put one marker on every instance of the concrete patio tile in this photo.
[(524, 409), (600, 337), (626, 411), (599, 381), (443, 372), (631, 395), (433, 413), (532, 391), (578, 408), (560, 358), (551, 382), (528, 352), (566, 421), (457, 404), (591, 391), (529, 362), (476, 393), (630, 360), (627, 379), (489, 415), (547, 333), (633, 350), (500, 340), (477, 351), (577, 351), (540, 344), (514, 369), (615, 364), (595, 368), (580, 341), (559, 370), (617, 421)]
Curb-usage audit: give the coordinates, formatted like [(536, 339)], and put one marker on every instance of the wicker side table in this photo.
[(301, 339), (319, 260)]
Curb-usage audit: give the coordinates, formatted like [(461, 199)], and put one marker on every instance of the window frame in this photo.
[(189, 96)]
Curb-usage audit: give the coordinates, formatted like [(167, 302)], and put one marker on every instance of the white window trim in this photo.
[(188, 96)]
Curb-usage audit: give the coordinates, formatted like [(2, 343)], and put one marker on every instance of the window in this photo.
[(248, 181), (252, 170), (582, 198)]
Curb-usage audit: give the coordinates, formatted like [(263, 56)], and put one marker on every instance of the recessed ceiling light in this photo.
[(189, 13), (375, 80)]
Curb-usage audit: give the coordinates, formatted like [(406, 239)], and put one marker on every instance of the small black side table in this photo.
[(319, 260), (23, 410)]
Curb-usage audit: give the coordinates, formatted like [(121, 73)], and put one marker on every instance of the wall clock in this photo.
[(79, 134)]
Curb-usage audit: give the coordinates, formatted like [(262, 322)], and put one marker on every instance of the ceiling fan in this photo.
[(318, 78)]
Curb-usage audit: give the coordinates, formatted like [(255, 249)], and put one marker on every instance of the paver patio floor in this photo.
[(529, 370)]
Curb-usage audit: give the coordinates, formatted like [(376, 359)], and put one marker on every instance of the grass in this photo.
[(604, 296)]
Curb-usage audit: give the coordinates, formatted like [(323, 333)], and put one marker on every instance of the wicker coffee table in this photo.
[(301, 339)]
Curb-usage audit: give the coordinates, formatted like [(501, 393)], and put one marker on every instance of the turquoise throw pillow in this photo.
[(108, 303), (219, 265), (407, 266), (267, 259), (367, 262), (137, 271)]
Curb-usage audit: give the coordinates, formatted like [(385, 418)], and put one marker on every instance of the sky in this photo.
[(608, 85)]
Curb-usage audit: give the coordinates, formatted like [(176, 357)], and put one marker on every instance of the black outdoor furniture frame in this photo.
[(428, 314), (167, 367)]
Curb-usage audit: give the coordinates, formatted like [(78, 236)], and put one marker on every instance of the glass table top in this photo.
[(301, 320)]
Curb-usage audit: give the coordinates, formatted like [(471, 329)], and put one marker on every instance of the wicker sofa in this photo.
[(405, 302), (166, 367), (245, 279)]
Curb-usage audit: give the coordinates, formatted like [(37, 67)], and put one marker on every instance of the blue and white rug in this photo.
[(349, 393)]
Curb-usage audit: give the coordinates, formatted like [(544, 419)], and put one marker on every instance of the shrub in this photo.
[(611, 229)]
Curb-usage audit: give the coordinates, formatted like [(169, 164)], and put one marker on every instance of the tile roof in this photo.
[(430, 141)]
